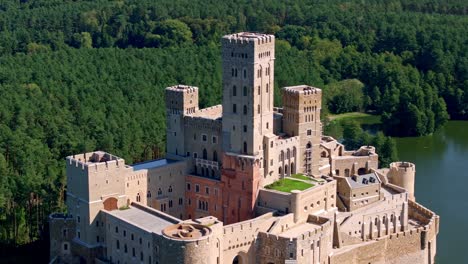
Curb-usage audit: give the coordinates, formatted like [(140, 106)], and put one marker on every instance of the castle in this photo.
[(221, 194)]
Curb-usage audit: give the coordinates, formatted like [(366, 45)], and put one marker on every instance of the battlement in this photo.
[(212, 112), (96, 160), (248, 37), (402, 166), (302, 90), (180, 88)]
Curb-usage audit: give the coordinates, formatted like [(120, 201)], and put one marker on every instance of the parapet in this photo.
[(403, 166), (95, 159), (187, 231), (182, 88), (248, 37), (302, 89), (365, 151)]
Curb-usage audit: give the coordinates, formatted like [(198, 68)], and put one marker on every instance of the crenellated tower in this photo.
[(248, 77), (301, 117), (181, 100)]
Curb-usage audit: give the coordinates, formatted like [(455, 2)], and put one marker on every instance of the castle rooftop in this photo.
[(144, 219), (303, 89), (250, 37), (94, 157), (213, 112), (151, 164), (182, 88)]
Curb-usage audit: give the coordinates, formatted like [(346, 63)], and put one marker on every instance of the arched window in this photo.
[(245, 90), (205, 154), (309, 145), (235, 73), (159, 191), (245, 73), (148, 195), (245, 109), (234, 90), (138, 198), (170, 188), (215, 156), (245, 147)]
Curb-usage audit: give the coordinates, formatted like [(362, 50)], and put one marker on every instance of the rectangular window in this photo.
[(204, 137), (195, 155), (197, 188), (309, 132), (188, 186), (188, 153), (234, 108), (245, 128), (214, 140), (207, 190)]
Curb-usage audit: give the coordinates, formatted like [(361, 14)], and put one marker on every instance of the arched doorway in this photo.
[(238, 260)]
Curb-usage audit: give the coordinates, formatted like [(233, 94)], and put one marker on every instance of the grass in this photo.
[(287, 185), (125, 207), (300, 176), (358, 116)]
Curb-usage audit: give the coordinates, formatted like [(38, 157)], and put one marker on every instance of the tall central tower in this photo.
[(248, 77)]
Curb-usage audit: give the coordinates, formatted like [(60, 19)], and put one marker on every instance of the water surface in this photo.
[(442, 184)]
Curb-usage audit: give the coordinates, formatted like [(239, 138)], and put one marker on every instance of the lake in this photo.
[(441, 184)]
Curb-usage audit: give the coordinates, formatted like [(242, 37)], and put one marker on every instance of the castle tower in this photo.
[(248, 77), (95, 181), (403, 174), (181, 100), (301, 117)]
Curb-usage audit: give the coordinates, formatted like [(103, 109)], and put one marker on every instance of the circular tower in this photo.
[(188, 243), (402, 174)]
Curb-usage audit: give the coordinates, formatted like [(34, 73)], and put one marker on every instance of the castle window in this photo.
[(133, 252), (214, 139), (204, 138), (234, 91), (125, 248), (245, 71), (148, 195), (195, 155), (245, 91), (245, 109), (197, 188), (205, 154), (65, 246), (309, 132), (117, 244), (267, 85), (170, 203), (170, 188), (245, 147), (159, 191), (141, 256), (188, 186), (207, 190), (234, 108), (235, 73), (258, 109), (267, 125), (181, 201), (245, 128), (79, 234), (258, 90), (188, 154), (215, 156)]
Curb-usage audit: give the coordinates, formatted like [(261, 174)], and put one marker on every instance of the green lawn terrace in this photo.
[(297, 181)]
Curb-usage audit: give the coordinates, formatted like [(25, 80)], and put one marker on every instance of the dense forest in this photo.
[(77, 76)]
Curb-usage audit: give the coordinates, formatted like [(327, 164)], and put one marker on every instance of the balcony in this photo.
[(207, 163)]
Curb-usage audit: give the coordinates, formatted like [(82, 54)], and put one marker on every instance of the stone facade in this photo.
[(210, 202)]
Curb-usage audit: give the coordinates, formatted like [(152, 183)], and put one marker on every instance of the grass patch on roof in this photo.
[(287, 185), (300, 176)]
